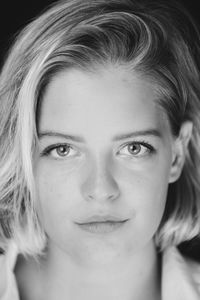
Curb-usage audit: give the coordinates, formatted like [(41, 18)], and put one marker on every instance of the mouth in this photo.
[(102, 224)]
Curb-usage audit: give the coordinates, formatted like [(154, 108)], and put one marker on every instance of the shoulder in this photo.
[(194, 270), (16, 276), (180, 276), (3, 276), (28, 277), (8, 287)]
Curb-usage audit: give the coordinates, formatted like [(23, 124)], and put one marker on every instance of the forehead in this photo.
[(107, 101)]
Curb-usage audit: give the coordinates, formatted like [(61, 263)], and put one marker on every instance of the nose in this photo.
[(99, 184)]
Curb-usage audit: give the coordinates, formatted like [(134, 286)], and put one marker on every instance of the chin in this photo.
[(101, 258)]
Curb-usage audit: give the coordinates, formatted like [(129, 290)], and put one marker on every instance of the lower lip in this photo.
[(102, 227)]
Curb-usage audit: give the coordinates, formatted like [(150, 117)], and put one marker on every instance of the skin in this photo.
[(102, 176)]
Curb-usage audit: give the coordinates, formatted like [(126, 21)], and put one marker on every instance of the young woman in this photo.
[(99, 155)]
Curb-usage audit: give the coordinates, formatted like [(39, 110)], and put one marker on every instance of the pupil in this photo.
[(62, 150), (134, 148)]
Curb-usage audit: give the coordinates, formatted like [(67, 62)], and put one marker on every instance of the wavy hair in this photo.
[(157, 39)]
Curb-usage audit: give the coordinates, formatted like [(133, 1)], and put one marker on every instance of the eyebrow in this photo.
[(62, 135), (79, 139), (148, 132)]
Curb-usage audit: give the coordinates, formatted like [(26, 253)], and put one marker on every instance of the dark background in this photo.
[(16, 14)]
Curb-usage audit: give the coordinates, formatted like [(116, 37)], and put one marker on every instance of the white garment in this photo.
[(8, 285), (180, 276)]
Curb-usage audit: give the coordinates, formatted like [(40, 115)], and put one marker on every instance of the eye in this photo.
[(136, 149), (59, 151)]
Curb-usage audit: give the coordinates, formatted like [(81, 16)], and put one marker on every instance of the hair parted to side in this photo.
[(157, 39)]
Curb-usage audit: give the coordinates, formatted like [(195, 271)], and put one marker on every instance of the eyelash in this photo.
[(149, 148)]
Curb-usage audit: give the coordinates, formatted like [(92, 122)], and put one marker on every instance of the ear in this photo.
[(179, 150)]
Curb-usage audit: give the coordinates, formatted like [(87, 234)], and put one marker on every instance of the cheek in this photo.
[(56, 195), (151, 204), (145, 193)]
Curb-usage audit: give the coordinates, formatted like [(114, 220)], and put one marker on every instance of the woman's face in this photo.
[(103, 164)]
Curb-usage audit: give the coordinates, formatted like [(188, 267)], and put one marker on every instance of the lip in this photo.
[(102, 219), (102, 227)]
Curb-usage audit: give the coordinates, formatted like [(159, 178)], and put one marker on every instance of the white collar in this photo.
[(180, 276)]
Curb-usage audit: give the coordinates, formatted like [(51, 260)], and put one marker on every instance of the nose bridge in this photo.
[(100, 184)]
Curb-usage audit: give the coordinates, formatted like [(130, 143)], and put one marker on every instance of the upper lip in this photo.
[(102, 218)]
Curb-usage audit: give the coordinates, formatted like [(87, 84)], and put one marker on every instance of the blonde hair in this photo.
[(150, 37)]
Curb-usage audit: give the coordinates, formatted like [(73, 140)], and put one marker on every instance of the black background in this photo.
[(16, 14)]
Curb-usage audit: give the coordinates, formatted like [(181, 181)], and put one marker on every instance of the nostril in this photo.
[(97, 187), (102, 197), (90, 197)]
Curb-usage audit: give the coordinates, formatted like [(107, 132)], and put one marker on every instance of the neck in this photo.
[(135, 277)]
